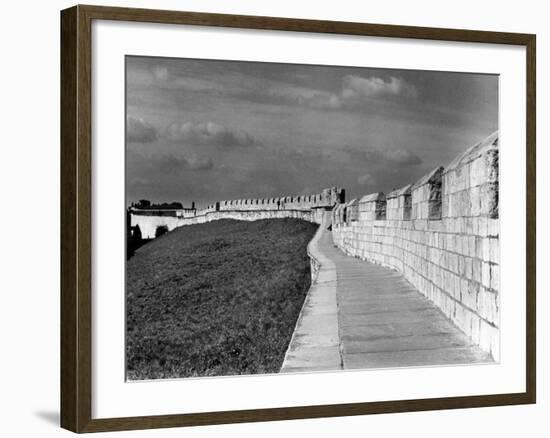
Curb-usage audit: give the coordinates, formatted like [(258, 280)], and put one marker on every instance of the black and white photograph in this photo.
[(294, 218), (274, 219)]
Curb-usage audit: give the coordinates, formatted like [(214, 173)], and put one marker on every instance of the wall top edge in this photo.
[(373, 197), (430, 178), (488, 144), (403, 191)]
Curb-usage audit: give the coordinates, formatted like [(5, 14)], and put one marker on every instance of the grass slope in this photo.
[(220, 298)]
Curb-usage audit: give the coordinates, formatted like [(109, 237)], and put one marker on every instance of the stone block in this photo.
[(481, 226), (455, 225), (494, 250), (425, 210), (436, 226), (445, 206), (453, 262), (461, 178), (479, 247), (428, 188), (468, 268), (469, 225), (459, 243), (456, 286), (479, 173), (486, 274), (476, 270), (475, 201), (487, 306), (486, 249), (463, 286), (493, 227), (462, 205), (449, 305), (461, 225), (474, 328), (471, 246), (492, 164), (448, 182), (489, 338), (469, 295), (495, 277), (451, 203), (449, 242), (489, 199), (462, 318)]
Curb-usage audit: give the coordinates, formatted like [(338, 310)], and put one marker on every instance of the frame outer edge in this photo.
[(76, 223), (76, 249), (84, 217), (303, 25), (68, 118), (531, 219)]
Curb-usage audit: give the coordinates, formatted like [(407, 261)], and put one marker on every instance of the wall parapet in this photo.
[(372, 207), (399, 204), (352, 211), (426, 196), (472, 182), (306, 207), (442, 234)]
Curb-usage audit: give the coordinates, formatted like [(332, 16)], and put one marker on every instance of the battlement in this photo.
[(442, 233), (302, 206)]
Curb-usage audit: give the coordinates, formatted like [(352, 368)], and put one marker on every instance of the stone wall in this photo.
[(442, 233), (307, 207), (327, 198)]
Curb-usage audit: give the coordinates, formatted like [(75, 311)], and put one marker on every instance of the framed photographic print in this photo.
[(271, 218)]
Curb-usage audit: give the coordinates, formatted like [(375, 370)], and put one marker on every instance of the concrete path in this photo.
[(382, 321), (315, 344)]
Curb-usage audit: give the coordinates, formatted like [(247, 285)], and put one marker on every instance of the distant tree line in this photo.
[(145, 204)]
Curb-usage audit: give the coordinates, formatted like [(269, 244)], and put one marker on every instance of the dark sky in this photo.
[(202, 130)]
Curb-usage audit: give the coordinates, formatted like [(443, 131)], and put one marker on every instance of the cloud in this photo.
[(140, 181), (354, 89), (385, 157), (191, 84), (360, 87), (139, 131), (160, 73), (366, 179), (379, 157), (174, 164), (312, 155), (306, 97), (184, 80), (402, 157), (209, 133)]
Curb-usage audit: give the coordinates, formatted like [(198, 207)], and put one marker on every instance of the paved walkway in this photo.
[(362, 315), (315, 344)]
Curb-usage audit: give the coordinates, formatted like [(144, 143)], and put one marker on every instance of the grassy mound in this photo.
[(220, 298)]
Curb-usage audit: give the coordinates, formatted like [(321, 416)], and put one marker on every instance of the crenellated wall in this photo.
[(442, 233), (308, 207)]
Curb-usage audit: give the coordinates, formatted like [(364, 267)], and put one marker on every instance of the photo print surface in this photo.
[(290, 218)]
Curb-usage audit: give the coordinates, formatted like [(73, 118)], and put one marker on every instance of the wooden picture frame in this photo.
[(76, 217)]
